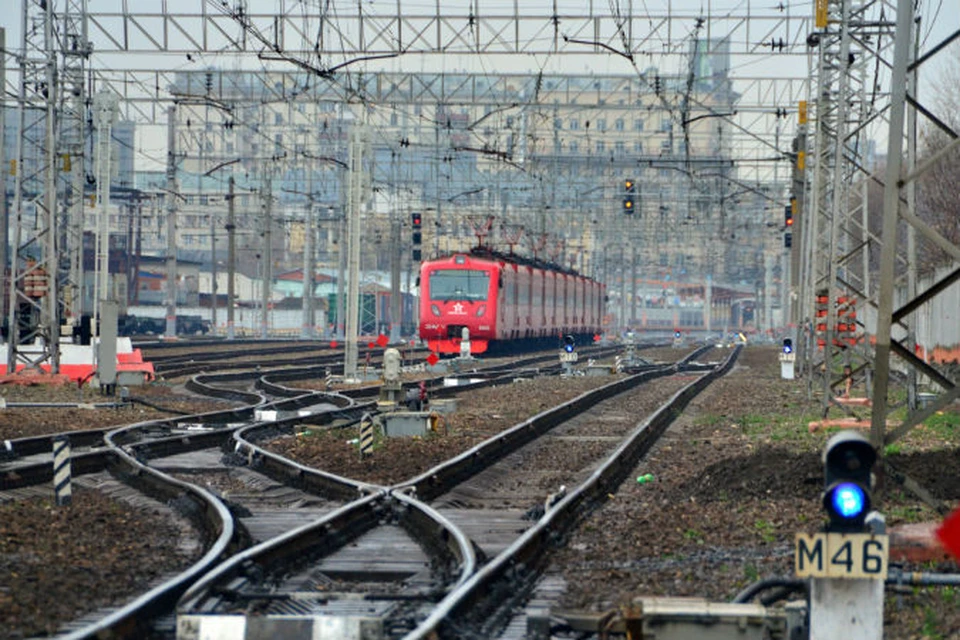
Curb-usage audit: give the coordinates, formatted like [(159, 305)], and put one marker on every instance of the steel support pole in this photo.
[(891, 204)]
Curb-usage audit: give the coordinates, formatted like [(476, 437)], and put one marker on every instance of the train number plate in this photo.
[(568, 357)]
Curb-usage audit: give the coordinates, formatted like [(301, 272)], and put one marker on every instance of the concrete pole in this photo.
[(708, 304), (395, 257), (911, 320), (13, 333), (623, 291), (767, 290), (891, 202), (4, 222), (231, 256), (357, 135), (633, 284), (105, 113), (342, 267), (309, 267), (267, 255), (49, 314), (171, 329)]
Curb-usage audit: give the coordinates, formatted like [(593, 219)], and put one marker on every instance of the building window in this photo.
[(638, 125), (574, 124), (618, 124), (602, 124), (620, 148), (278, 118), (638, 148), (393, 119), (601, 146), (574, 147)]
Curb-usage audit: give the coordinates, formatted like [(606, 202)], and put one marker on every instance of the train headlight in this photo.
[(435, 309), (482, 310)]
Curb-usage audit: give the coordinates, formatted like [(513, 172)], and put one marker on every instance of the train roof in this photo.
[(512, 258)]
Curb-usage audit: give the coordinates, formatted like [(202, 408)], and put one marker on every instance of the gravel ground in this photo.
[(738, 475), (22, 422), (58, 563), (481, 414)]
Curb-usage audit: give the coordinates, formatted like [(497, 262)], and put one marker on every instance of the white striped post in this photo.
[(61, 470)]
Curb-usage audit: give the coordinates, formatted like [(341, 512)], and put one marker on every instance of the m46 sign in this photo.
[(841, 555)]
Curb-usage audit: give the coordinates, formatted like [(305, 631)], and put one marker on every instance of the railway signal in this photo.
[(569, 344), (787, 359), (847, 561), (629, 196), (416, 220), (848, 465)]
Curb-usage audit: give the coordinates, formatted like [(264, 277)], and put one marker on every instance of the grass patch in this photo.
[(931, 626), (766, 530), (708, 420), (945, 424), (693, 534), (893, 449)]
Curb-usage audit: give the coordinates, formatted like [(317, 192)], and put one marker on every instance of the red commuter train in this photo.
[(504, 300)]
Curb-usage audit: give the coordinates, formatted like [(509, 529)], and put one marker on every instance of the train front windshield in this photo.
[(459, 284)]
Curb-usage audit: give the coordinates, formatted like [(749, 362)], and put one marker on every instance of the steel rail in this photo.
[(486, 599)]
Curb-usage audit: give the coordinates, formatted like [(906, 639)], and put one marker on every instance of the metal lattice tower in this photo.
[(75, 49), (834, 271), (33, 295)]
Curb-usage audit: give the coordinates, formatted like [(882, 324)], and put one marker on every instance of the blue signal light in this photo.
[(568, 348), (787, 345), (569, 344), (848, 500)]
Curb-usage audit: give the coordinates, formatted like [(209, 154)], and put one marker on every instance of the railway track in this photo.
[(27, 461), (265, 495), (434, 529)]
